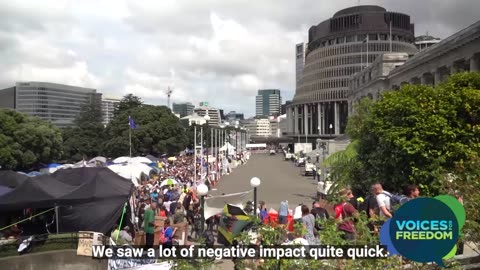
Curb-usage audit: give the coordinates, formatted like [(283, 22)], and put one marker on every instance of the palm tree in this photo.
[(341, 164)]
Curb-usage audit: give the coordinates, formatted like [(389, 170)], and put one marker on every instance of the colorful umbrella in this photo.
[(168, 182)]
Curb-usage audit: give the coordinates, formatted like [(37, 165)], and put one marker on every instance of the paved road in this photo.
[(280, 180)]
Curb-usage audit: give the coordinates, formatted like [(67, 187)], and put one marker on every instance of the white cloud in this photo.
[(210, 50)]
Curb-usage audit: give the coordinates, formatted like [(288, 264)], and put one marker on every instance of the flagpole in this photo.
[(130, 138), (195, 157), (201, 155)]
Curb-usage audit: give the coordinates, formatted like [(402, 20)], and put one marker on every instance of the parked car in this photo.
[(310, 169), (300, 162), (272, 152)]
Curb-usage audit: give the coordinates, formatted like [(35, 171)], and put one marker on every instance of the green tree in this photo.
[(85, 140), (128, 102), (27, 141), (158, 131), (416, 134)]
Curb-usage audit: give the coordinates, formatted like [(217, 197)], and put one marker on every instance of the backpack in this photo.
[(339, 213), (163, 239), (396, 200), (319, 219)]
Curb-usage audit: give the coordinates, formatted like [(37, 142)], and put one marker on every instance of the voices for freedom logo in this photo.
[(425, 229)]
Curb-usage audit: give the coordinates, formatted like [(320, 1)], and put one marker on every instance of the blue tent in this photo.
[(153, 165), (53, 165), (33, 174)]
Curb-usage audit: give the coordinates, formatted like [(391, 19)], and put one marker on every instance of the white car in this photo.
[(288, 156), (273, 152), (310, 169)]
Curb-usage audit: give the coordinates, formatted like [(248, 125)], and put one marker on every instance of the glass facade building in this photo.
[(268, 102), (57, 103)]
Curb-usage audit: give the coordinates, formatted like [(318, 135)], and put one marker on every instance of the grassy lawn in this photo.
[(54, 242)]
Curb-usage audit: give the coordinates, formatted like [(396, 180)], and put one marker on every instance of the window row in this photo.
[(336, 72), (359, 48), (358, 38), (326, 84), (311, 71)]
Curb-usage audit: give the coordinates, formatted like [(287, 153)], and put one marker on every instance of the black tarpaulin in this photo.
[(89, 199), (36, 192), (11, 179)]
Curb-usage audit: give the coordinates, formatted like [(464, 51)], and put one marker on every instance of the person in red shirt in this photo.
[(344, 214)]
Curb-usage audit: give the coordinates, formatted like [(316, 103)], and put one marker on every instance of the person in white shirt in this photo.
[(297, 214), (383, 200)]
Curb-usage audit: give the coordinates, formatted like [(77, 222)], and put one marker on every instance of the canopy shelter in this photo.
[(95, 160), (132, 171), (229, 147), (87, 199), (11, 179), (132, 160)]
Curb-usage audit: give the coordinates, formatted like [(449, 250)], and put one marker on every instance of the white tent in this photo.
[(131, 171), (132, 160), (231, 149)]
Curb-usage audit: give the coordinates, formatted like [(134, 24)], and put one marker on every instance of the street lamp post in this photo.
[(255, 182), (236, 140), (195, 154), (207, 118), (202, 190)]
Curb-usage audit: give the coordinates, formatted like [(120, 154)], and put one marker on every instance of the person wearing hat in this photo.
[(344, 213), (122, 237)]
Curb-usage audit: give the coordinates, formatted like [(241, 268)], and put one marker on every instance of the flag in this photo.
[(131, 123)]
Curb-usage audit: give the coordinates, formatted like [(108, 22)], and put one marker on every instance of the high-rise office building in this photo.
[(213, 113), (109, 104), (284, 107), (183, 109), (57, 103), (234, 116), (268, 102), (338, 48)]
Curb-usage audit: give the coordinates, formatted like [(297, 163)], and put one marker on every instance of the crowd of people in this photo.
[(177, 203), (380, 203)]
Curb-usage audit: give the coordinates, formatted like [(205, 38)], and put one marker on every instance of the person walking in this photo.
[(149, 224), (297, 214), (344, 213), (283, 212), (308, 221), (320, 215), (412, 192), (383, 201)]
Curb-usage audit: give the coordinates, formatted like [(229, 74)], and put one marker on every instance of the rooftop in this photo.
[(359, 9)]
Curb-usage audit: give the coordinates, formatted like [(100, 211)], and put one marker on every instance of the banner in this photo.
[(86, 240), (214, 205), (135, 264)]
